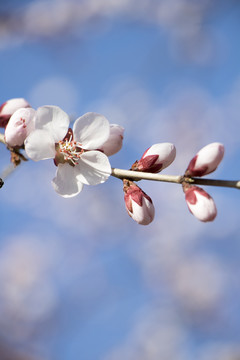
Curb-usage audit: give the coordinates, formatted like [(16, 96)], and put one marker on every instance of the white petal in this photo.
[(40, 145), (10, 106), (144, 214), (93, 168), (210, 155), (166, 153), (20, 124), (65, 182), (91, 130), (201, 204), (114, 141), (54, 120)]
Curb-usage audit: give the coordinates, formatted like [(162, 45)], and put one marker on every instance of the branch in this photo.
[(178, 179), (2, 140)]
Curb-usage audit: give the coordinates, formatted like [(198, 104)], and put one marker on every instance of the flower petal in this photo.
[(206, 160), (40, 145), (20, 125), (156, 158), (144, 214), (93, 168), (9, 107), (54, 120), (91, 130), (114, 141), (65, 182), (138, 204), (200, 204)]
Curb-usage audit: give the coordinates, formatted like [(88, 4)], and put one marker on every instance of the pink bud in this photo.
[(114, 142), (206, 161), (138, 204), (156, 158), (200, 203), (20, 125), (9, 107)]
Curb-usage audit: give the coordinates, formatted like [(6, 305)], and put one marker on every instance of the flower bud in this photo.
[(114, 142), (156, 158), (206, 161), (20, 125), (200, 203), (9, 107), (138, 204)]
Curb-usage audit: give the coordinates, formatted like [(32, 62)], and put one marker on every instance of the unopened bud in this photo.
[(156, 158), (138, 204), (206, 160), (19, 126), (200, 203), (114, 142), (9, 107)]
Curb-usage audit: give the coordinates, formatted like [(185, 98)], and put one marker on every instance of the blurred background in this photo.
[(79, 279)]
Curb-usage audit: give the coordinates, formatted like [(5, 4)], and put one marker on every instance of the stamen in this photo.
[(71, 150)]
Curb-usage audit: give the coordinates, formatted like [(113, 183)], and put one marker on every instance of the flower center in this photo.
[(70, 150)]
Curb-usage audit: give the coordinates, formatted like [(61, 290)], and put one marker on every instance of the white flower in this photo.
[(114, 142), (19, 126), (73, 150), (200, 203), (138, 204), (206, 160), (156, 158), (9, 107)]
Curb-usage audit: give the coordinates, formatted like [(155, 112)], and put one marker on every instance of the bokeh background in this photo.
[(79, 280)]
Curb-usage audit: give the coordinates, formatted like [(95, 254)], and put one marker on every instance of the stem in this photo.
[(178, 179), (2, 140)]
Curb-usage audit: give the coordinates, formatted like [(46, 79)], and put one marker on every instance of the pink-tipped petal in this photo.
[(206, 160), (156, 158), (9, 107), (114, 142), (138, 204), (65, 182), (54, 120), (91, 130), (93, 168), (144, 214), (19, 126), (200, 204), (40, 145)]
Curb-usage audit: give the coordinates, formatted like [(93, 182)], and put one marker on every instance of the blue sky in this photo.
[(80, 279)]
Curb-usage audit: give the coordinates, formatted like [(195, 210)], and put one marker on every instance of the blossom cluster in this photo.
[(199, 202), (140, 206), (81, 155)]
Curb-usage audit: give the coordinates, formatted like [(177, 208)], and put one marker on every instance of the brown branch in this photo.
[(178, 179)]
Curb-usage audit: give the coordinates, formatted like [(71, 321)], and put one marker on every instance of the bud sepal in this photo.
[(138, 204), (156, 158)]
